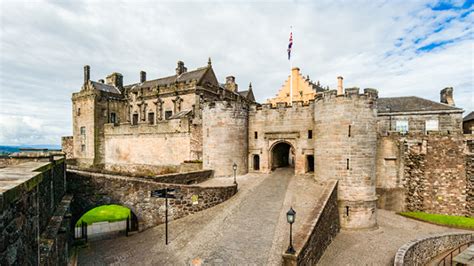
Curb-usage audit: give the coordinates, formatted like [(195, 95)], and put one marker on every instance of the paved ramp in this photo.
[(239, 231)]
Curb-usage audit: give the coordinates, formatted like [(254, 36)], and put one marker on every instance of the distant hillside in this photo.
[(4, 150)]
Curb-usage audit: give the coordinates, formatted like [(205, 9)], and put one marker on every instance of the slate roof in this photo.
[(244, 93), (411, 104), (105, 87), (180, 114), (197, 74), (468, 117)]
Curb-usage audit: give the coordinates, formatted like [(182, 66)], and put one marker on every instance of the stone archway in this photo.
[(282, 155)]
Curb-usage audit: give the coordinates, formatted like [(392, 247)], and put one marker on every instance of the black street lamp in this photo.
[(290, 217), (234, 167)]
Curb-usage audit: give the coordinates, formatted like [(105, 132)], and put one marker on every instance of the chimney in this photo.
[(446, 96), (142, 76), (180, 69), (230, 84), (87, 73), (340, 86), (115, 79), (101, 81)]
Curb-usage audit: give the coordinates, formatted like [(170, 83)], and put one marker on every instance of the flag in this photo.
[(289, 45)]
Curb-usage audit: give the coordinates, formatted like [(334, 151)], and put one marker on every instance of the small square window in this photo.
[(401, 126), (310, 134), (151, 118), (83, 148), (135, 119), (168, 114), (83, 131), (113, 118), (431, 125)]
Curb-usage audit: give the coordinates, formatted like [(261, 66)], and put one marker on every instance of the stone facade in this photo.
[(34, 219)]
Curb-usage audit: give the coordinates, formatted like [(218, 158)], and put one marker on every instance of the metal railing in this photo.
[(448, 259)]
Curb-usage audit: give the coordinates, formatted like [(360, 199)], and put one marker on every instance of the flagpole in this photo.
[(291, 72)]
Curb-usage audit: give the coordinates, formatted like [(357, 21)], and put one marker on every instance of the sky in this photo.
[(401, 48)]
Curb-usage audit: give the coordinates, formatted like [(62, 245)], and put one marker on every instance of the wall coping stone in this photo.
[(400, 256)]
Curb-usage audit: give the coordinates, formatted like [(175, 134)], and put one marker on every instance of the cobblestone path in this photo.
[(239, 231)]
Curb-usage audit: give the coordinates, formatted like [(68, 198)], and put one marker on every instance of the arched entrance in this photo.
[(282, 155)]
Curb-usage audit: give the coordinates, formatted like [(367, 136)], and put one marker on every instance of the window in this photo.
[(256, 134), (113, 118), (135, 119), (401, 126), (78, 111), (83, 147), (349, 131), (347, 164), (431, 125), (310, 134), (83, 131), (168, 114), (151, 118)]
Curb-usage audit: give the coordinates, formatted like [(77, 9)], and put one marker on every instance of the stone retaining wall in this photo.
[(422, 250), (91, 190), (32, 210), (320, 233), (183, 178)]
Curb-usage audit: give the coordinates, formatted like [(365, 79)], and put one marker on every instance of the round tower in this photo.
[(345, 150), (225, 141)]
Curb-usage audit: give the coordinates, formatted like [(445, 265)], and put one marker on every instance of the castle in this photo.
[(401, 153)]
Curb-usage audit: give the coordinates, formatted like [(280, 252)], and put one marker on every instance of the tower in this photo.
[(345, 150)]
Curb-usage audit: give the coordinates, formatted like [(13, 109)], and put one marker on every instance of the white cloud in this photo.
[(43, 46)]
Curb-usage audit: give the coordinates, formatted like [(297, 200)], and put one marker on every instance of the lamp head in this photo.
[(290, 216)]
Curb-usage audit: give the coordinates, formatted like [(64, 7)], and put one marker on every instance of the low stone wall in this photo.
[(422, 250), (91, 190), (183, 178), (320, 233), (32, 210)]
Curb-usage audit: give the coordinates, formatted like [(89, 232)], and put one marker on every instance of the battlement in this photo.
[(282, 105), (161, 127), (225, 105), (350, 93)]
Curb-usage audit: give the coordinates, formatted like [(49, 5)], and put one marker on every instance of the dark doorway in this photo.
[(135, 119), (309, 163), (256, 162), (281, 155)]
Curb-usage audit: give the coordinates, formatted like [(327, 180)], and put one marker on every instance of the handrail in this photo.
[(450, 254)]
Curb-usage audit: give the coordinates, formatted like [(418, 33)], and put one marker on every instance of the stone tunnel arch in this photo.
[(282, 155)]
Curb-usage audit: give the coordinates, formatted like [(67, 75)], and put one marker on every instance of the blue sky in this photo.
[(402, 48)]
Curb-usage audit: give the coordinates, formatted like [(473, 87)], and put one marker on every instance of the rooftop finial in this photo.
[(250, 86), (209, 63)]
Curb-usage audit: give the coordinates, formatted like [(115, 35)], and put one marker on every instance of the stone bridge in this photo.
[(91, 190)]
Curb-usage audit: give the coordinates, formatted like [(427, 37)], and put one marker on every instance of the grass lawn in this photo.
[(104, 213), (441, 219)]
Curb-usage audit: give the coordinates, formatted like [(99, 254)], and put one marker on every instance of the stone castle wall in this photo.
[(33, 221), (270, 125), (447, 122), (345, 150), (225, 126), (67, 146)]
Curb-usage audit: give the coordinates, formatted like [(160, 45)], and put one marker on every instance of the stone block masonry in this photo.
[(32, 224), (91, 190)]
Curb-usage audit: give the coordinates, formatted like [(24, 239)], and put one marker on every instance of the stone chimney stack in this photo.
[(142, 76), (230, 83), (340, 85), (446, 96), (87, 73), (115, 79), (180, 69)]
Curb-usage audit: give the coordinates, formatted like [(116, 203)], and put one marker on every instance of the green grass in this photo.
[(441, 219), (105, 213)]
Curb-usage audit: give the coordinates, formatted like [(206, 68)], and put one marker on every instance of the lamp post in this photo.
[(234, 167), (290, 217)]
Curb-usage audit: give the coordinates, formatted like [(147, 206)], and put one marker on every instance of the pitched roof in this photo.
[(105, 87), (411, 104), (197, 74), (469, 117), (244, 93)]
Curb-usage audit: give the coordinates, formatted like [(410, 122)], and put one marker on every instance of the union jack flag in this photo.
[(289, 45)]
